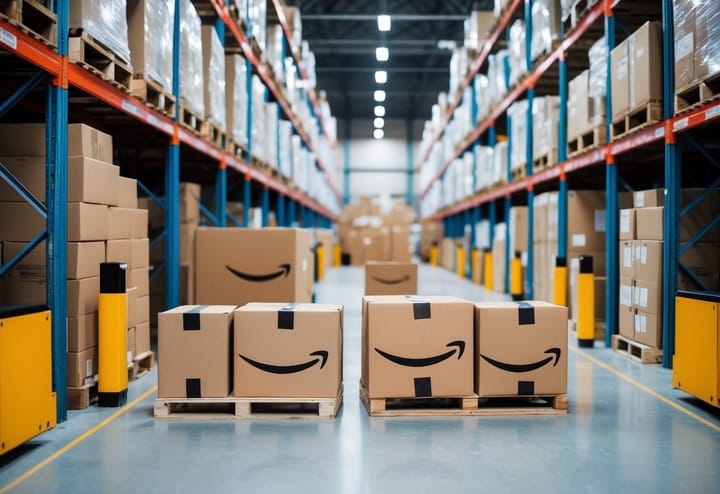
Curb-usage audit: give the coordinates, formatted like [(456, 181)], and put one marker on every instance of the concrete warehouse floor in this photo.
[(627, 431)]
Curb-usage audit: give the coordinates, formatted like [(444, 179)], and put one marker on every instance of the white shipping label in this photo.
[(625, 221), (626, 295), (304, 264), (129, 357), (8, 38), (643, 324), (639, 53), (578, 240), (622, 69), (643, 297), (643, 254), (599, 220), (89, 367), (684, 46), (627, 257), (639, 200), (636, 323)]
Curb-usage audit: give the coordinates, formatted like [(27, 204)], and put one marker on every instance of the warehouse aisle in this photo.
[(627, 430)]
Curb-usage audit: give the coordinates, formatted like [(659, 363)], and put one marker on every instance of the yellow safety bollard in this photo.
[(561, 280), (434, 255), (476, 273), (460, 261), (586, 303), (488, 270), (516, 277), (320, 262), (112, 336), (337, 255)]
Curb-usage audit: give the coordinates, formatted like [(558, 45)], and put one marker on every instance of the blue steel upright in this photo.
[(247, 200), (265, 204), (611, 193), (562, 154), (529, 278), (292, 214), (280, 210)]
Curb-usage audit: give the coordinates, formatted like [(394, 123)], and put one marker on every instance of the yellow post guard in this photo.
[(475, 266), (586, 303), (460, 260), (321, 262), (488, 270), (434, 255), (561, 280), (112, 336), (337, 255), (516, 277)]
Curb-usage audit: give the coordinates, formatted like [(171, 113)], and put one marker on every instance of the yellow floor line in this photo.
[(648, 390), (76, 441)]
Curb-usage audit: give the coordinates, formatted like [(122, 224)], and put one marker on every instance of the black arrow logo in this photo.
[(525, 367), (424, 362), (392, 282), (289, 369), (284, 269)]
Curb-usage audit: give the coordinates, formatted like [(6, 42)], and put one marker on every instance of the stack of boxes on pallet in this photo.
[(104, 224), (431, 234)]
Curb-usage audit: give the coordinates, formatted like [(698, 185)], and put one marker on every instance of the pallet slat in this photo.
[(81, 397), (697, 94), (636, 351), (636, 120), (96, 58), (153, 95), (586, 142), (33, 18)]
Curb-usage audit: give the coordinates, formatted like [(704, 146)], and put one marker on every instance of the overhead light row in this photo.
[(382, 54)]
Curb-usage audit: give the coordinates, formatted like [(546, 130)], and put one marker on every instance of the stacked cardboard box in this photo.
[(431, 233), (697, 39), (390, 278), (326, 238), (213, 55)]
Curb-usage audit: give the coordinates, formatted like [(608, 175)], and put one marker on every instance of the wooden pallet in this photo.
[(599, 328), (265, 168), (32, 17), (518, 173), (636, 351), (641, 117), (546, 161), (248, 408), (81, 397), (464, 405), (578, 10), (101, 61), (211, 132), (697, 94), (235, 149), (189, 119), (142, 364), (589, 141), (153, 94)]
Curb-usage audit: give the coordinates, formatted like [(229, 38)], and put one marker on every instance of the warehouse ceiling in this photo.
[(344, 34)]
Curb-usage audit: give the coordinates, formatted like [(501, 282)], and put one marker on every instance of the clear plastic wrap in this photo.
[(707, 33), (499, 155), (498, 81), (272, 118), (150, 30), (545, 127), (684, 13), (597, 81), (191, 58), (578, 105), (477, 27), (104, 21), (236, 98), (480, 86), (545, 26), (516, 52), (214, 77), (517, 113), (274, 50), (257, 17), (499, 7), (258, 118), (292, 16)]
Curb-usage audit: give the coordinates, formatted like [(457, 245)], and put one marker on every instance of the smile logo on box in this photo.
[(392, 282), (525, 367), (284, 270), (289, 369), (425, 362)]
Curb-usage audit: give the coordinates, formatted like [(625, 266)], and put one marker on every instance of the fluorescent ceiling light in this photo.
[(379, 111), (379, 123), (382, 54), (378, 134), (380, 76), (384, 23), (379, 96)]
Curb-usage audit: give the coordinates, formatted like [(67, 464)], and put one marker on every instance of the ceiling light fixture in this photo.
[(384, 22), (379, 123), (382, 54), (378, 134), (379, 96), (379, 111), (380, 76)]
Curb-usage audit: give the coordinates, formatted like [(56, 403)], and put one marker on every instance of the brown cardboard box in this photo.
[(518, 229), (127, 193), (626, 259), (447, 253), (288, 350), (140, 278), (119, 251), (142, 309), (87, 222), (82, 367), (401, 248), (29, 140), (650, 198), (627, 297), (645, 53), (520, 349), (19, 222), (626, 321), (648, 260), (578, 105), (237, 265), (131, 306), (416, 347), (650, 223), (130, 345), (82, 332), (187, 245), (142, 338), (92, 181), (684, 32), (620, 70), (627, 224), (84, 259), (194, 344), (586, 220), (82, 296), (26, 282), (139, 253), (390, 278), (647, 297), (189, 202), (648, 328), (326, 238), (139, 223), (30, 171), (119, 223)]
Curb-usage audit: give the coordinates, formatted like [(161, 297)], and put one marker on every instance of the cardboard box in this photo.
[(130, 345), (648, 260), (194, 344), (648, 328), (187, 245), (119, 223), (26, 282), (627, 224), (140, 278), (417, 347), (84, 259), (626, 292), (119, 251), (82, 332), (498, 258), (518, 229), (87, 222), (29, 171), (190, 202), (237, 265), (647, 297), (142, 338), (131, 306), (127, 193), (92, 181), (82, 367), (29, 140), (707, 37), (650, 223), (139, 253), (649, 198), (684, 33), (645, 53), (327, 239), (520, 348), (138, 223), (447, 253), (620, 70), (586, 220), (288, 350), (142, 309), (82, 296), (626, 258), (401, 246), (19, 222), (390, 278), (578, 105), (626, 321)]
